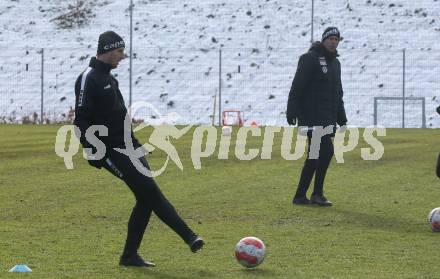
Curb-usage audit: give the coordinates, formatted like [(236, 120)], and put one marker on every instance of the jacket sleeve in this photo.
[(302, 78), (84, 107), (342, 117), (438, 166)]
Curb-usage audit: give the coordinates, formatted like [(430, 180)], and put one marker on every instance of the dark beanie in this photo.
[(109, 41), (330, 31)]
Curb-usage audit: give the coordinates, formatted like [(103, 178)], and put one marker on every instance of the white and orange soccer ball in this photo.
[(250, 251), (434, 219)]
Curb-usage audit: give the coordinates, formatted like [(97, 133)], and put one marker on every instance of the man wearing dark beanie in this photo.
[(437, 168), (99, 102), (315, 100), (109, 41)]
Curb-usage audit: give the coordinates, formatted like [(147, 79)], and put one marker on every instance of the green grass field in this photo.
[(72, 223)]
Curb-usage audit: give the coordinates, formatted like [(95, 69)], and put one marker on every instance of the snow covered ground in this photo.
[(176, 51)]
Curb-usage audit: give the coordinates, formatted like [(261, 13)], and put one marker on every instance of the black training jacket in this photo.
[(99, 102), (315, 97)]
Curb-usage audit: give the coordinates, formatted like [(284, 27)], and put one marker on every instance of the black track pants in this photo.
[(438, 165), (317, 167), (149, 198)]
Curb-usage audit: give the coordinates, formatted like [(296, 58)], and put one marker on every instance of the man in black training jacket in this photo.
[(315, 99), (99, 102), (438, 158)]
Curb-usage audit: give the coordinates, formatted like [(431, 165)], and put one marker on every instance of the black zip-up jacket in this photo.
[(315, 97), (438, 158), (99, 102)]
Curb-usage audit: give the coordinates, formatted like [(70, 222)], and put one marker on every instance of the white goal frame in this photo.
[(403, 99)]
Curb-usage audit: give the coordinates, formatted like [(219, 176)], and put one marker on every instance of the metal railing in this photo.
[(39, 83)]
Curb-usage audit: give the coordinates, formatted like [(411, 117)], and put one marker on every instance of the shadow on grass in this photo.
[(375, 221), (155, 273), (257, 272), (356, 218)]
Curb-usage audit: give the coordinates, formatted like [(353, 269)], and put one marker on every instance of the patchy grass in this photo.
[(72, 223)]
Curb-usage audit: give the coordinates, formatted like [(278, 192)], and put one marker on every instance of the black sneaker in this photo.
[(135, 260), (301, 201), (196, 244), (320, 200)]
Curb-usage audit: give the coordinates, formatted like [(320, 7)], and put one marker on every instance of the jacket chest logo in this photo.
[(323, 64), (108, 86)]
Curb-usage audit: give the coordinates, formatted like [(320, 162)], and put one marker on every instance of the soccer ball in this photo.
[(434, 219), (250, 251)]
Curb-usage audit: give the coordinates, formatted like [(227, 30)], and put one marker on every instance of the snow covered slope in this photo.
[(176, 55)]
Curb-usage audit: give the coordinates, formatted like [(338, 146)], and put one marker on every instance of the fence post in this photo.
[(42, 86), (311, 25), (131, 53), (403, 88), (375, 111), (220, 88), (423, 114)]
